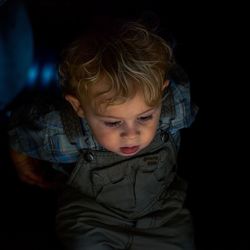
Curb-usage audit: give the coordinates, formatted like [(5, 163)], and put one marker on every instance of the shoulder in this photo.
[(178, 111), (36, 116), (39, 130)]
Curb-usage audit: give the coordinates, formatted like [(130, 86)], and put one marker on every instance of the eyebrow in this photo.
[(119, 118)]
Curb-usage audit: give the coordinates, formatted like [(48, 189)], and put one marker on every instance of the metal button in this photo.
[(164, 137), (89, 156)]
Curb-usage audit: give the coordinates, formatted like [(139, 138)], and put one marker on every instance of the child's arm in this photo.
[(29, 170), (38, 143), (27, 140)]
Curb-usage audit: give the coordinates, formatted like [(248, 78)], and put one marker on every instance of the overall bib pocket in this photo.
[(126, 184)]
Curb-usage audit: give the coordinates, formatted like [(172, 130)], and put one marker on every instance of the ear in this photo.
[(76, 105), (165, 84)]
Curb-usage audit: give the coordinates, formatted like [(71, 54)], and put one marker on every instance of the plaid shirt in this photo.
[(41, 133)]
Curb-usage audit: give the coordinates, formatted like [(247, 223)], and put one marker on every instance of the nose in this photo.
[(130, 131)]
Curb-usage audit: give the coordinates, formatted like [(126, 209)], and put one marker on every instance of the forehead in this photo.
[(104, 94), (130, 107)]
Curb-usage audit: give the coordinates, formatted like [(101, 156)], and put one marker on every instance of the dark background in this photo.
[(205, 40)]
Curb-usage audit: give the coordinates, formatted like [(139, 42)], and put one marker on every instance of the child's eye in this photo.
[(112, 124), (145, 118)]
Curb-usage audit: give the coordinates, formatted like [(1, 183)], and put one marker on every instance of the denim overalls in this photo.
[(116, 202)]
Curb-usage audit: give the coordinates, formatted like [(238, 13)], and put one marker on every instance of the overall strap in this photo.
[(71, 123)]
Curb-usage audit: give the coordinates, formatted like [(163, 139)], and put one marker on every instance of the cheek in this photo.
[(105, 136), (149, 133)]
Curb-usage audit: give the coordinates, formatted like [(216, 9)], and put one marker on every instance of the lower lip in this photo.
[(129, 150)]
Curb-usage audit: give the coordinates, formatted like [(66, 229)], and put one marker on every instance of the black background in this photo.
[(211, 156)]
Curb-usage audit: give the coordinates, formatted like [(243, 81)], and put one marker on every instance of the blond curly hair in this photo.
[(125, 57)]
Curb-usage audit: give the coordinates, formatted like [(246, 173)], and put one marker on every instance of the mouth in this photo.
[(129, 150)]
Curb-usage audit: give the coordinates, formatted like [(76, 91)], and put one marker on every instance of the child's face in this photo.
[(125, 128)]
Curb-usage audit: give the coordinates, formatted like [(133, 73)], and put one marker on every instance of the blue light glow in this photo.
[(32, 75), (48, 74)]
